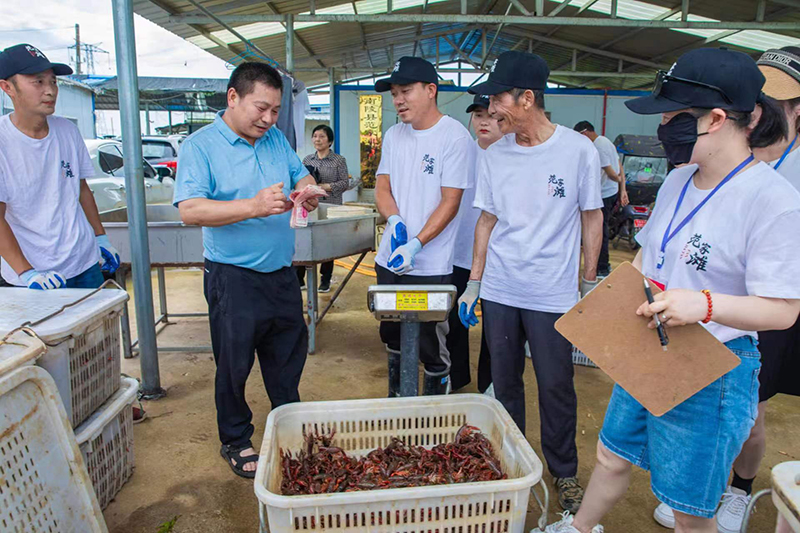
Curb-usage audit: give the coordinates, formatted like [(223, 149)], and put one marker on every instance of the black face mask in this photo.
[(679, 136)]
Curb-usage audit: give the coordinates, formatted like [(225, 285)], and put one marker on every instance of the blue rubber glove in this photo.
[(467, 303), (398, 232), (43, 280), (402, 260), (109, 256)]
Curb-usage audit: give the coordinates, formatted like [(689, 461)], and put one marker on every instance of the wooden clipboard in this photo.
[(604, 326)]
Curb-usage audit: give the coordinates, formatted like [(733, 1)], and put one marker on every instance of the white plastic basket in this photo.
[(43, 482), (579, 358), (83, 341), (20, 349), (106, 442), (363, 425)]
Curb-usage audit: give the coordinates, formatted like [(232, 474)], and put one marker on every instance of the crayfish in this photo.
[(320, 467)]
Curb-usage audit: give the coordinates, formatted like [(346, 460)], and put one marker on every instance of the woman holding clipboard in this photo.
[(722, 241)]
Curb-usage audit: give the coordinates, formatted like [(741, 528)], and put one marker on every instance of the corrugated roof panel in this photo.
[(754, 39)]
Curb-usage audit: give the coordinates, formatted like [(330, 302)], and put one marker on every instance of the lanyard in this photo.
[(667, 235), (788, 149)]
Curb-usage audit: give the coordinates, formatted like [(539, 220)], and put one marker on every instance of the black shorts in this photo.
[(780, 362)]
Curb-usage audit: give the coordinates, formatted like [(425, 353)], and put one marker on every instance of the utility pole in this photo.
[(78, 49)]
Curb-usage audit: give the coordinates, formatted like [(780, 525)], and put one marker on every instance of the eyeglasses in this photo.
[(663, 76)]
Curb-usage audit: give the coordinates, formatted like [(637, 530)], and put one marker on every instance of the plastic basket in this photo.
[(579, 358), (363, 425), (106, 443), (43, 482), (20, 349), (83, 341)]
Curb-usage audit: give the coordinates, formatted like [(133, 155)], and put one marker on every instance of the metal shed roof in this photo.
[(592, 43)]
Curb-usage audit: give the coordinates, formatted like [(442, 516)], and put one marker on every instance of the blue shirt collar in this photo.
[(230, 135)]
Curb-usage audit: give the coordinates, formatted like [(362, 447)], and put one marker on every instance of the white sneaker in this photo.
[(664, 516), (730, 514), (565, 526)]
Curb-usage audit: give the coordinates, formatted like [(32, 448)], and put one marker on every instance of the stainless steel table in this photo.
[(174, 244)]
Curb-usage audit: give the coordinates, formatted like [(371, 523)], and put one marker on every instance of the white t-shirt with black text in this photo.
[(467, 220), (608, 158), (419, 163), (744, 241), (537, 194), (40, 185)]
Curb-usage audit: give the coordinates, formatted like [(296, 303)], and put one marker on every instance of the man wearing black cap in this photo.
[(426, 162), (50, 232), (539, 192)]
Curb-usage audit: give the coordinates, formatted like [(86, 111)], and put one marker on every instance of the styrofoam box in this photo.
[(43, 482), (106, 442), (363, 425), (579, 358), (83, 341), (20, 349)]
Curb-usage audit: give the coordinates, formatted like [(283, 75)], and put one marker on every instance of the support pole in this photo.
[(125, 45), (409, 358), (77, 50), (290, 43), (332, 84), (147, 117), (613, 9), (684, 10)]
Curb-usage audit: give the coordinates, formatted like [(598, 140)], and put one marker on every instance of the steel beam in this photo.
[(488, 19), (684, 10), (559, 8), (125, 47), (460, 53), (300, 40), (290, 43), (496, 34), (577, 74)]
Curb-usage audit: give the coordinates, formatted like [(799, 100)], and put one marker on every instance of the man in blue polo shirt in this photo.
[(234, 179)]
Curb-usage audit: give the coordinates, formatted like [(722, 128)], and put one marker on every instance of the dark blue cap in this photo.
[(705, 78), (27, 59), (408, 70), (514, 70), (481, 101)]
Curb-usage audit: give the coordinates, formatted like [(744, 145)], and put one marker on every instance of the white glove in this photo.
[(467, 302), (44, 280), (587, 286), (402, 260), (109, 256), (397, 231)]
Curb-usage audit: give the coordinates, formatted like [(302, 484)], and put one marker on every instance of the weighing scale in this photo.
[(410, 305)]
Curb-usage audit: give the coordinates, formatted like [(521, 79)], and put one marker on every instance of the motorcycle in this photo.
[(625, 223)]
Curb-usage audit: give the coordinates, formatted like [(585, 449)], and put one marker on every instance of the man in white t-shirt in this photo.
[(539, 193), (50, 231), (426, 163), (612, 185)]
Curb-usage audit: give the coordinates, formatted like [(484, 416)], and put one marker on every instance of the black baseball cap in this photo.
[(481, 101), (27, 59), (514, 70), (408, 70), (705, 78)]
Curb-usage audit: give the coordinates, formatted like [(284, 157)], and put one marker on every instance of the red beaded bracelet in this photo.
[(707, 319)]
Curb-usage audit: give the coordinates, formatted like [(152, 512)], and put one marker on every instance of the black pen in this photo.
[(662, 334)]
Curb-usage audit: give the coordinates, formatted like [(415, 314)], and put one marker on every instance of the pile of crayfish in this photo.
[(321, 468)]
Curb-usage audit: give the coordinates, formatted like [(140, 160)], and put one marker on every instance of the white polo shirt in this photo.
[(419, 163), (40, 185), (537, 194), (743, 241)]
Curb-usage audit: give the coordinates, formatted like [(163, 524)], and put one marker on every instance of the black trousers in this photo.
[(780, 362), (506, 329), (253, 313), (608, 206), (458, 344), (433, 352), (325, 270)]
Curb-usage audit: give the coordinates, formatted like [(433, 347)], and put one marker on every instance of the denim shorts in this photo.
[(690, 450)]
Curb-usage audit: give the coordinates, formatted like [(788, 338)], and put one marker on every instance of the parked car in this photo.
[(162, 150), (108, 185)]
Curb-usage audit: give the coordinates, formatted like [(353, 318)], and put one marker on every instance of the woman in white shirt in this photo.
[(722, 241)]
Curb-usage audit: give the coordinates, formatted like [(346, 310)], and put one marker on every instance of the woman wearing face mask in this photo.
[(487, 132), (722, 240), (333, 178)]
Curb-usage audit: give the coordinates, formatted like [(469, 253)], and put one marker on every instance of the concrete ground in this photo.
[(179, 471)]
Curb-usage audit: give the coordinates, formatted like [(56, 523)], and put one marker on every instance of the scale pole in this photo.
[(409, 358)]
